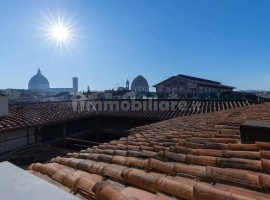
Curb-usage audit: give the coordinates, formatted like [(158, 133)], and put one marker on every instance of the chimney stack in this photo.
[(3, 104)]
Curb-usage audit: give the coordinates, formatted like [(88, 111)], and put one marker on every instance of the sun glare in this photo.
[(60, 33)]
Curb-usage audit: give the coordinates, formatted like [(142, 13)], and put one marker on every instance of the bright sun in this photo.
[(60, 33)]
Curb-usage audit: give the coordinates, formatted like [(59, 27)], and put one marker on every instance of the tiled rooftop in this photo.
[(197, 157), (37, 114), (26, 115)]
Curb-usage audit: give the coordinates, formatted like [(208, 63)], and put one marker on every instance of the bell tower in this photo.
[(75, 84), (127, 85)]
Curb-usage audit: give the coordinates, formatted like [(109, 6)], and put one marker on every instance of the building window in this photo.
[(214, 90), (168, 84), (204, 89), (201, 89), (164, 90), (174, 90), (192, 91), (181, 83), (174, 83), (181, 90)]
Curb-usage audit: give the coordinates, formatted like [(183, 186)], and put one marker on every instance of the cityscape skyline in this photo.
[(219, 41)]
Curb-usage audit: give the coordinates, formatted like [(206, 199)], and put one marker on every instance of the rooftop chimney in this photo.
[(3, 104)]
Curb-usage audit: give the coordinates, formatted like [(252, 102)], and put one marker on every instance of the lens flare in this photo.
[(58, 30)]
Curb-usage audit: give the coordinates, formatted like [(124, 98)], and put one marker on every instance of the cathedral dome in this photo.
[(38, 83), (140, 84)]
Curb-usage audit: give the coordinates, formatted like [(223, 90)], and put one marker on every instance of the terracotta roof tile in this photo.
[(131, 192), (192, 157), (36, 114)]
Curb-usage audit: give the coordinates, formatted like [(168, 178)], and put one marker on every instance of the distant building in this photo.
[(39, 83), (63, 96), (94, 95), (108, 94), (75, 84), (139, 90), (78, 96), (51, 99), (182, 86), (139, 95), (127, 85), (24, 96), (140, 84), (129, 95), (119, 93), (14, 94)]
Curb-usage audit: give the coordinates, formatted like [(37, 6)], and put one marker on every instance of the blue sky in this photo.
[(115, 40)]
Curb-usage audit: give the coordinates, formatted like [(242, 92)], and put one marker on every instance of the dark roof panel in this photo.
[(198, 79), (38, 114)]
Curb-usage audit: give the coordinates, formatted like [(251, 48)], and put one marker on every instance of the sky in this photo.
[(115, 40)]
